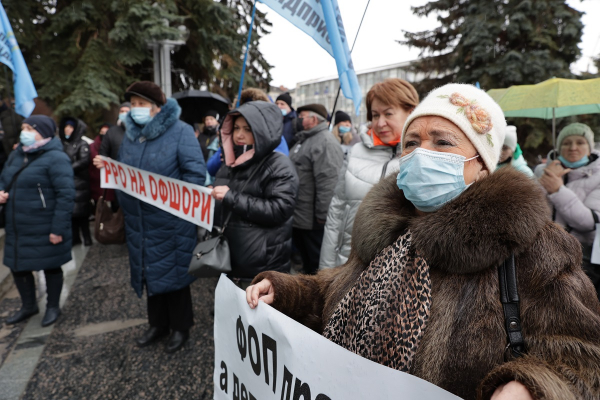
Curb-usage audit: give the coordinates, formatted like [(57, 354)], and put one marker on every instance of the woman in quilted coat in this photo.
[(571, 179), (389, 103), (160, 244), (38, 205), (421, 291), (260, 228)]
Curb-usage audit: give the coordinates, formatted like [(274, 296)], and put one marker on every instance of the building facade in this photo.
[(324, 90)]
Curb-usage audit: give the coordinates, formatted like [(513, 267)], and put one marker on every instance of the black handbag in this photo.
[(7, 190), (211, 257)]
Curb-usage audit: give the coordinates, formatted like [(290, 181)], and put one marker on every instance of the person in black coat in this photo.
[(114, 137), (284, 102), (260, 228), (39, 203), (71, 132), (209, 133)]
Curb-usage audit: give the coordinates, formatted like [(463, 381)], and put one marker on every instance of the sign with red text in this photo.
[(185, 200), (262, 354)]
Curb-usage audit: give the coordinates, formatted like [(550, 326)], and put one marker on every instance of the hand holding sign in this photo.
[(263, 290)]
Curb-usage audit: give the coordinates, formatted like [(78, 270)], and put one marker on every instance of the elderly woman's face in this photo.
[(388, 121), (438, 134), (29, 128), (574, 148)]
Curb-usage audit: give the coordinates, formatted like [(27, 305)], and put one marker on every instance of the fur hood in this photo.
[(500, 214), (168, 115)]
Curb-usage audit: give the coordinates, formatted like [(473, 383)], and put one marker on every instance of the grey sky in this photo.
[(296, 57)]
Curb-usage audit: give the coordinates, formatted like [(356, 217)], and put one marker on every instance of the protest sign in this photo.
[(185, 200), (263, 354)]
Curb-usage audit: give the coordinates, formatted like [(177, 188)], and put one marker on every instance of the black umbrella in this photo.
[(195, 103)]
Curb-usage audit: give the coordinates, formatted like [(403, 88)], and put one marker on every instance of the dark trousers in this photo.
[(308, 242), (22, 274), (171, 310), (83, 224)]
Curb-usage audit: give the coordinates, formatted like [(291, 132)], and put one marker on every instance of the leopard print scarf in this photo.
[(384, 315)]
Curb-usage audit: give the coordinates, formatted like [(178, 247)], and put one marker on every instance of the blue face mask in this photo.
[(141, 115), (584, 161), (284, 112), (344, 129), (122, 117), (430, 179), (27, 138)]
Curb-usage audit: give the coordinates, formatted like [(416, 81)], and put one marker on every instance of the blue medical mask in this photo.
[(284, 112), (141, 115), (27, 138), (122, 117), (430, 179), (344, 129), (584, 161)]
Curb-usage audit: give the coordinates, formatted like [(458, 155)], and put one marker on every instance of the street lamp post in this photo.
[(161, 51)]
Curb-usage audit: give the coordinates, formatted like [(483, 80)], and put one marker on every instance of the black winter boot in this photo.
[(75, 230), (85, 230), (26, 287), (54, 284)]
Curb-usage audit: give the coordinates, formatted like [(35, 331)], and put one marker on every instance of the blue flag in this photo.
[(322, 20), (11, 56)]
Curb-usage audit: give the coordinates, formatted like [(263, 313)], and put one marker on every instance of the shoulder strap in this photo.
[(509, 295), (242, 189), (16, 175)]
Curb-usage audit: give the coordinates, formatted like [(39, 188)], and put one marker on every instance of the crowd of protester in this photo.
[(399, 224)]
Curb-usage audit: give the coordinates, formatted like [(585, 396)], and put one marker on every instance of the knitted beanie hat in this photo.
[(43, 124), (285, 97), (511, 137), (576, 129), (479, 117)]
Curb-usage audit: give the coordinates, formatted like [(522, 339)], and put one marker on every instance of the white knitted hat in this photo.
[(473, 111), (510, 139)]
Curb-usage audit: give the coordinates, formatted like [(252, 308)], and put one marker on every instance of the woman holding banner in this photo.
[(260, 192), (441, 255), (160, 244)]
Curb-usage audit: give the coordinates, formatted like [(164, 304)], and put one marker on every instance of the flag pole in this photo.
[(246, 55), (355, 37)]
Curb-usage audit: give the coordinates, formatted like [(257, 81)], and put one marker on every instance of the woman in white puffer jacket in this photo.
[(571, 179), (389, 104)]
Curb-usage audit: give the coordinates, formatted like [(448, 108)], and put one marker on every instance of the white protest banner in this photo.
[(185, 200), (263, 354)]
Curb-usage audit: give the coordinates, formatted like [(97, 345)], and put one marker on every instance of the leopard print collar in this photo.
[(384, 316)]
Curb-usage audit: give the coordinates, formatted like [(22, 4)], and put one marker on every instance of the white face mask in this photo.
[(430, 179)]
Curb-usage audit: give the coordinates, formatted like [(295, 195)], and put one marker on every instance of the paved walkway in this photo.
[(90, 352)]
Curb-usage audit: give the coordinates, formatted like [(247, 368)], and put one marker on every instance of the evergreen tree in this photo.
[(497, 43), (82, 54)]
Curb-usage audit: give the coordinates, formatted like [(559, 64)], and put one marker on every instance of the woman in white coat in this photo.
[(571, 179), (389, 103)]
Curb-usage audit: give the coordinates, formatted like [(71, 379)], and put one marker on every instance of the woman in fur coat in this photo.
[(421, 290)]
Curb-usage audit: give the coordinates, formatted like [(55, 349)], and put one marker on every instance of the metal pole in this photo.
[(156, 54), (246, 55), (351, 50), (168, 90), (553, 129)]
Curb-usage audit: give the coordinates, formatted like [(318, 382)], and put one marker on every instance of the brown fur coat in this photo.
[(463, 348)]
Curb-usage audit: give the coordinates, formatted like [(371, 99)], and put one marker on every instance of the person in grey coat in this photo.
[(571, 179), (318, 158)]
